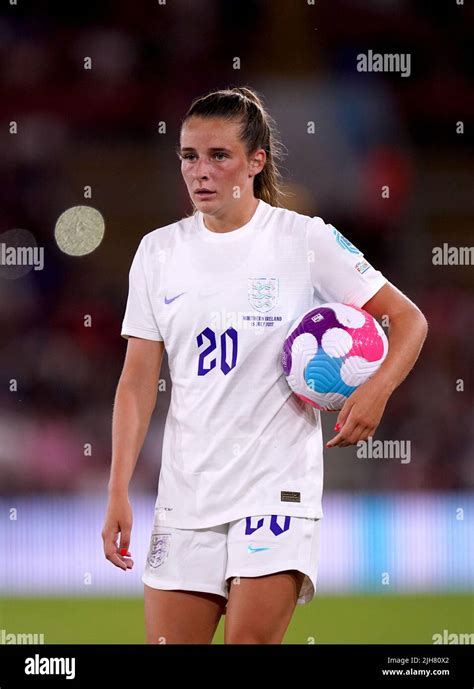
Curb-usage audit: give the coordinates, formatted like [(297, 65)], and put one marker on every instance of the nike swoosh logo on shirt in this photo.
[(168, 301), (251, 549)]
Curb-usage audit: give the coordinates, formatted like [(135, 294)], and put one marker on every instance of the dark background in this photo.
[(100, 128)]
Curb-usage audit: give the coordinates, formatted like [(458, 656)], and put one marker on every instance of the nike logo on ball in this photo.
[(168, 301)]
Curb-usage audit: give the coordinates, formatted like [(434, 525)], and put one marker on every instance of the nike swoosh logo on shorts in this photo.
[(168, 301), (251, 549)]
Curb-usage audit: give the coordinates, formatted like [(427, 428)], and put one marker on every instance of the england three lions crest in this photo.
[(159, 549), (263, 293)]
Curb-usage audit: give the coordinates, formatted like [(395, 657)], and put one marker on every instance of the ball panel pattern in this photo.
[(330, 351)]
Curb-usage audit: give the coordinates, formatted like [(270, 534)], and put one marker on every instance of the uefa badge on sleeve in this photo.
[(362, 266)]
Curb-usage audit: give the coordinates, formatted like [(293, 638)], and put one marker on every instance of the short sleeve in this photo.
[(139, 319), (338, 270)]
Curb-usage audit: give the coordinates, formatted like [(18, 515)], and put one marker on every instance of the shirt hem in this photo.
[(372, 290), (241, 513), (140, 332)]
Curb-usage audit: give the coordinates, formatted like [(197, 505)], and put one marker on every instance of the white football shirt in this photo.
[(237, 441)]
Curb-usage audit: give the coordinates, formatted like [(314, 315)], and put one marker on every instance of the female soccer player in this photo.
[(238, 512)]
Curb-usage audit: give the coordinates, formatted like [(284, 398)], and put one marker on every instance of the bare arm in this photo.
[(135, 400), (408, 329), (361, 414)]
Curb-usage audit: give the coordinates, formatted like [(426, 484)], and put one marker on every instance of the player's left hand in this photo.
[(360, 416)]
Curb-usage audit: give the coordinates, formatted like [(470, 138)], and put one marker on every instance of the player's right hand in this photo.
[(118, 520)]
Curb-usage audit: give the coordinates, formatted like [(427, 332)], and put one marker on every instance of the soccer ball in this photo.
[(330, 351)]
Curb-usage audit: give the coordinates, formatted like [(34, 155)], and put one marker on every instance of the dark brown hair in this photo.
[(257, 130)]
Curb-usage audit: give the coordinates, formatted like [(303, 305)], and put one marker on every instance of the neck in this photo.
[(228, 220)]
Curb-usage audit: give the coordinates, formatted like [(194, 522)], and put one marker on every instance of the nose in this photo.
[(200, 169)]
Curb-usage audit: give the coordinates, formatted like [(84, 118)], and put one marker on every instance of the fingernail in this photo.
[(124, 551), (337, 427)]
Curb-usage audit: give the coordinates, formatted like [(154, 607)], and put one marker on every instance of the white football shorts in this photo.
[(205, 559)]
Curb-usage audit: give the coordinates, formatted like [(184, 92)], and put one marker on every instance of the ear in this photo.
[(258, 160)]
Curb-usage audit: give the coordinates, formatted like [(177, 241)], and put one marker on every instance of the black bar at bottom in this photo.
[(216, 665)]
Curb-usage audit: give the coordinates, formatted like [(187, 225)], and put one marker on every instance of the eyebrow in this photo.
[(190, 148)]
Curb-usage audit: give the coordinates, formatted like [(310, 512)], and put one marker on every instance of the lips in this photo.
[(204, 192)]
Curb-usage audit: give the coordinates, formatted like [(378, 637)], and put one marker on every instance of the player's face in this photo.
[(213, 157)]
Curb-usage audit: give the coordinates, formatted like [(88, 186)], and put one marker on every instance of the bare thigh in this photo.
[(181, 617), (260, 608)]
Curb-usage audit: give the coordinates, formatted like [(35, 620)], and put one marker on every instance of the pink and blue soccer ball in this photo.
[(330, 351)]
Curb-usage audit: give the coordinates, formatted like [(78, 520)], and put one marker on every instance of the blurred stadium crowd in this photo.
[(99, 128)]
